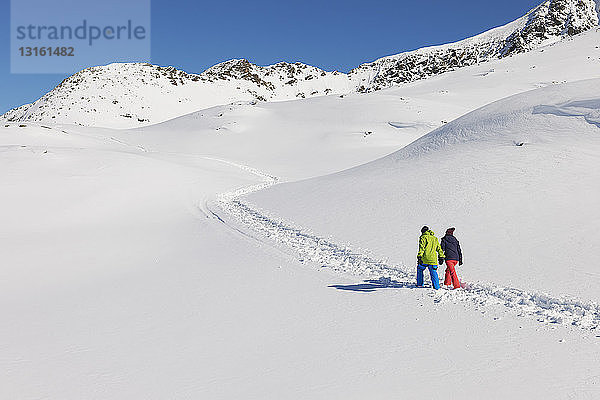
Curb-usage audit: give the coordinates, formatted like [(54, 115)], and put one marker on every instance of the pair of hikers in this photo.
[(432, 252)]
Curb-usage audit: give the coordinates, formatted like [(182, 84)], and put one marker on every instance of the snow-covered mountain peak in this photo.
[(124, 95), (551, 21), (135, 94), (268, 76), (128, 73), (114, 95)]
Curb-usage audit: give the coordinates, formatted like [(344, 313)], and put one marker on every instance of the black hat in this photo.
[(424, 229), (450, 231)]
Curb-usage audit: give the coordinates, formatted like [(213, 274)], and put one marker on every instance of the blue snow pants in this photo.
[(435, 280)]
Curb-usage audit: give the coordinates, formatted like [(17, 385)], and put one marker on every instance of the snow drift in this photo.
[(514, 177)]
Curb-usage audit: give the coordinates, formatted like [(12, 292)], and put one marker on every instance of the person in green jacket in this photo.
[(429, 255)]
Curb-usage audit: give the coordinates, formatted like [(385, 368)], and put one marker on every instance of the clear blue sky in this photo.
[(332, 34)]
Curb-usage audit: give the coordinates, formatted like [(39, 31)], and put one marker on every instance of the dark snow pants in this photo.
[(435, 280)]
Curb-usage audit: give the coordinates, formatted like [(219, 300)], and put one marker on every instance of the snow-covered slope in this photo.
[(14, 114), (517, 178), (341, 132), (134, 94), (117, 280), (131, 95)]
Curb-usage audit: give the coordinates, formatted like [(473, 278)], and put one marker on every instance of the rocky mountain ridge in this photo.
[(551, 21), (135, 94)]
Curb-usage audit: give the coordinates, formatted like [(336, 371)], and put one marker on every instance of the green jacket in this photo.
[(429, 248)]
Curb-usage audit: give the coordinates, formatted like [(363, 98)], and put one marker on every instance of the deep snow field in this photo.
[(312, 137), (147, 264), (518, 177)]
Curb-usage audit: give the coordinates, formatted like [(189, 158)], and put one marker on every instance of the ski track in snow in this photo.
[(308, 247)]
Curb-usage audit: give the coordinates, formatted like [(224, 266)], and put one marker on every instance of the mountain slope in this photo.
[(131, 95), (134, 94), (515, 177), (115, 285), (117, 281), (549, 22), (341, 132)]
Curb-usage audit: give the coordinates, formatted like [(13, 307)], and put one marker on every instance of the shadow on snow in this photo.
[(371, 285)]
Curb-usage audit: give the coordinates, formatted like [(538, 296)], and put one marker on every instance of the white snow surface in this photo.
[(210, 256), (356, 128), (346, 259), (518, 177)]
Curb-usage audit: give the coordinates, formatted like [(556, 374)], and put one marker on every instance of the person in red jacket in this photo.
[(451, 248)]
